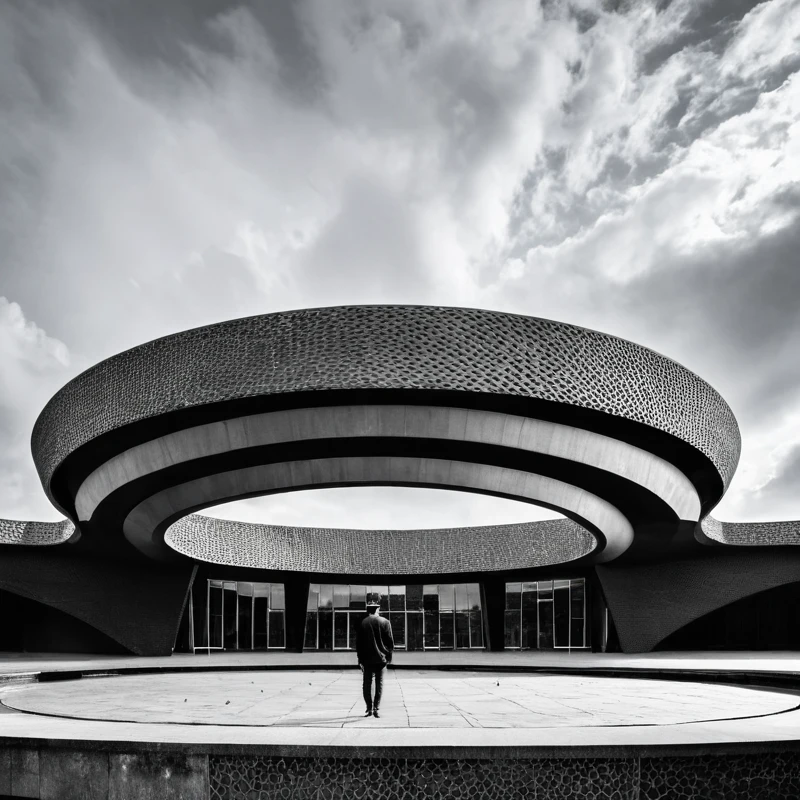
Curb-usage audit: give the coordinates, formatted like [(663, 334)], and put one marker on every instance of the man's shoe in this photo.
[(375, 713), (368, 712)]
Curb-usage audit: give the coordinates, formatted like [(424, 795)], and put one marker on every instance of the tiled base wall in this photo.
[(50, 773), (764, 777)]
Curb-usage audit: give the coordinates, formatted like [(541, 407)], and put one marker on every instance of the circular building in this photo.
[(630, 447)]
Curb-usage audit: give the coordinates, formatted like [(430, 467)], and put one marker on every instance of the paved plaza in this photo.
[(412, 699)]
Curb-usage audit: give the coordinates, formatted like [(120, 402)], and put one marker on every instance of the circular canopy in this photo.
[(614, 436)]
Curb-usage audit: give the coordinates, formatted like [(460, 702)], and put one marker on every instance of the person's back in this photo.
[(374, 646), (374, 642)]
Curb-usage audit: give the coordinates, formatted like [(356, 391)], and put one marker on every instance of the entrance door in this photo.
[(414, 631)]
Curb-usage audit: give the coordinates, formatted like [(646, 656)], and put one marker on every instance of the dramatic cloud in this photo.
[(629, 167)]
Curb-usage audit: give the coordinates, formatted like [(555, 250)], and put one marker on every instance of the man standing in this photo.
[(374, 645)]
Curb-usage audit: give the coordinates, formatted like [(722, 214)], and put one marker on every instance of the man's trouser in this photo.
[(377, 670)]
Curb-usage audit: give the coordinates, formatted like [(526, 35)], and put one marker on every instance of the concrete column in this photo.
[(493, 600), (296, 604)]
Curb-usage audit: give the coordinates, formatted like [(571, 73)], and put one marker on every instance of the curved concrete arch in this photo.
[(607, 432), (145, 524), (438, 356), (748, 534), (375, 552), (37, 534), (390, 421)]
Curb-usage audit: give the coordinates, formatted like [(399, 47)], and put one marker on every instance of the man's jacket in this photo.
[(374, 642)]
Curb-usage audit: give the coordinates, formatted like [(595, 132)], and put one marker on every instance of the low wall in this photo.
[(64, 772)]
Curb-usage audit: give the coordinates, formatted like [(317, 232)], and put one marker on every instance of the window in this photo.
[(546, 615), (429, 617), (238, 615)]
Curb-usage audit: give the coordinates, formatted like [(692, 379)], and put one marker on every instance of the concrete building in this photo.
[(630, 447)]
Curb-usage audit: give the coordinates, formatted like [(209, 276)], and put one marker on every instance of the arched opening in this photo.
[(380, 508)]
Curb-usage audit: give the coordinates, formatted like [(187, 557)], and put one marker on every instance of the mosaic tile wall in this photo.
[(13, 531), (388, 347), (771, 776), (447, 550), (752, 534)]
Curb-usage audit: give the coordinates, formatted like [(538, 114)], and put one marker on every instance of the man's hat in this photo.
[(373, 603)]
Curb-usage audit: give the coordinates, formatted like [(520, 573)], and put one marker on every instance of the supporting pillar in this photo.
[(493, 600), (296, 605)]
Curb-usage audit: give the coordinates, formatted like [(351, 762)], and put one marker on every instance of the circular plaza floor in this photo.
[(412, 699)]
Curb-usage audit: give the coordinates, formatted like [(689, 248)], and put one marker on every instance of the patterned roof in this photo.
[(388, 347), (387, 552)]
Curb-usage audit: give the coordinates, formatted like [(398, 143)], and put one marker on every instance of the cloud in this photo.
[(32, 366), (630, 167)]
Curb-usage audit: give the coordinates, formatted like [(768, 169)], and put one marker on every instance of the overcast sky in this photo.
[(632, 167)]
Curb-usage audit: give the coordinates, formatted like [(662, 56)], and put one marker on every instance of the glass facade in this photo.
[(423, 617), (237, 615), (546, 615)]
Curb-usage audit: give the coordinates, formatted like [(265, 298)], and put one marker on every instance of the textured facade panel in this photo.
[(366, 552), (13, 531), (388, 347), (752, 534), (762, 776), (268, 778), (648, 602)]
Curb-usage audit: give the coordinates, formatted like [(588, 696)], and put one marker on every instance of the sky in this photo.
[(632, 167)]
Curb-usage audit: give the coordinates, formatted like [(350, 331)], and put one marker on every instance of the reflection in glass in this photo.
[(229, 613), (398, 622), (414, 598), (430, 597), (561, 612), (447, 597), (325, 629), (326, 595), (513, 595), (529, 595), (511, 628), (310, 642), (551, 614), (446, 631), (340, 629), (414, 631), (546, 625), (355, 618), (245, 641), (462, 629), (277, 635), (277, 597), (260, 609), (358, 597), (475, 629), (530, 634), (341, 596), (432, 629)]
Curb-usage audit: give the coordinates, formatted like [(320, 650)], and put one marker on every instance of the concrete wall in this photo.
[(135, 604), (93, 773), (648, 602)]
